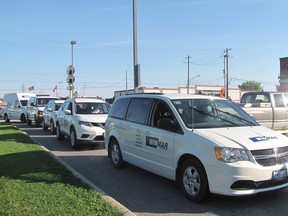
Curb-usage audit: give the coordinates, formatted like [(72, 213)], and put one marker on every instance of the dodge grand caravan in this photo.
[(205, 144)]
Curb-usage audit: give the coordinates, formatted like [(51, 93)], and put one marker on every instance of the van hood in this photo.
[(251, 138), (96, 118)]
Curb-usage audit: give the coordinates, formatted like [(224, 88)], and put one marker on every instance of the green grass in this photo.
[(32, 182)]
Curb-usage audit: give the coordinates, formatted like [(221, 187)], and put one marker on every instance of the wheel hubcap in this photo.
[(191, 181), (115, 154)]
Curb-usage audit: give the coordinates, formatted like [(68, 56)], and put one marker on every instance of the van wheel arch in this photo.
[(192, 178)]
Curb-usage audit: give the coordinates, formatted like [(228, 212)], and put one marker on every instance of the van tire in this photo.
[(115, 154), (193, 180), (6, 118), (23, 118)]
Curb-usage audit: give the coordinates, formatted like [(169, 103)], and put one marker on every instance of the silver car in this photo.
[(49, 115)]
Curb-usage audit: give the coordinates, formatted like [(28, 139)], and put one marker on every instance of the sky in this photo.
[(36, 35)]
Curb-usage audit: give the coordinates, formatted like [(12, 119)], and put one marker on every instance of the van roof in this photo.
[(171, 96)]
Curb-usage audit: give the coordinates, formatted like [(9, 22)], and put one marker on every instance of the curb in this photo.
[(104, 196)]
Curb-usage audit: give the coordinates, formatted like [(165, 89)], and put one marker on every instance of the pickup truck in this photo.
[(269, 109)]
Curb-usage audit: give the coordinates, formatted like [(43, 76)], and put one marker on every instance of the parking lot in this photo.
[(148, 194)]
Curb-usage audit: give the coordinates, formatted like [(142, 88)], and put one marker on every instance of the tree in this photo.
[(250, 85)]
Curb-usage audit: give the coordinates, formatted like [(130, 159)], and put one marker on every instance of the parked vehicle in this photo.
[(82, 120), (15, 106), (35, 107), (269, 109), (49, 115), (204, 143)]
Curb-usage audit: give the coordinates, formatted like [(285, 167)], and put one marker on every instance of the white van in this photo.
[(15, 106), (205, 144)]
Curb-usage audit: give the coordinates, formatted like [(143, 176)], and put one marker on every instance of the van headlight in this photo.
[(230, 155)]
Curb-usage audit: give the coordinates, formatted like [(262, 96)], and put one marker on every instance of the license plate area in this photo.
[(279, 174)]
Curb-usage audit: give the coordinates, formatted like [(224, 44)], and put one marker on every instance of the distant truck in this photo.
[(15, 106), (269, 109)]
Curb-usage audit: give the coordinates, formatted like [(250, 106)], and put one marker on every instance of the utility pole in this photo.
[(135, 48), (226, 84), (188, 76)]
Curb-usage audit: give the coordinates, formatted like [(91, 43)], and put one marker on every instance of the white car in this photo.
[(82, 120), (35, 107), (205, 144), (49, 115)]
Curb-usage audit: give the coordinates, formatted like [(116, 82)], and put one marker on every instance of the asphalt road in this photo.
[(147, 194)]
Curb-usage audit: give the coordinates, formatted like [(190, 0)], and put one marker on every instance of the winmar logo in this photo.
[(156, 143), (262, 138)]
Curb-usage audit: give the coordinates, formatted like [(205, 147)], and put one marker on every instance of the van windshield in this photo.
[(23, 102), (207, 113)]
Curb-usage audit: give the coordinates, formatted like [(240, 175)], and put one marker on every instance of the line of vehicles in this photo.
[(82, 120), (205, 144)]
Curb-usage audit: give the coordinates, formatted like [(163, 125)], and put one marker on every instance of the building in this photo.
[(283, 78), (234, 93)]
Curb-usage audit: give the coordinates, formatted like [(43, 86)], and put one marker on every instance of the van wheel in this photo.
[(193, 180), (115, 154), (23, 118), (6, 118), (52, 128), (59, 135), (73, 139)]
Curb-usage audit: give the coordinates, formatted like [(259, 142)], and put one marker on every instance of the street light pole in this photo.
[(72, 86), (135, 48)]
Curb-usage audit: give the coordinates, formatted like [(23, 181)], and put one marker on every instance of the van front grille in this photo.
[(271, 157)]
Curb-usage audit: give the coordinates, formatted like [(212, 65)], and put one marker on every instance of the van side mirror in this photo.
[(166, 124)]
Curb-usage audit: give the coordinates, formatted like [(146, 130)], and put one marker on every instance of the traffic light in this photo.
[(70, 78), (70, 70)]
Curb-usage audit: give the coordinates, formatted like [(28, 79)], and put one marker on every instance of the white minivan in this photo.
[(205, 144), (15, 106)]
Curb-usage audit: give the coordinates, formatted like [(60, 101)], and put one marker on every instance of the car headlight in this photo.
[(88, 124), (230, 155)]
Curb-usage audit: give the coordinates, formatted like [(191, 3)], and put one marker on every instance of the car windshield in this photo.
[(207, 113), (92, 108), (57, 106)]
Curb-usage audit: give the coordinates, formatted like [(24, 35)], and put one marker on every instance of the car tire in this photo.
[(59, 135), (6, 118), (52, 128), (193, 180), (44, 127), (29, 122), (115, 154), (73, 139)]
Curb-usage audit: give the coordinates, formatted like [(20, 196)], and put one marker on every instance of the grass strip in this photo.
[(32, 182)]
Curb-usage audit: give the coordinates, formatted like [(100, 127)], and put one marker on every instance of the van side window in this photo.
[(139, 109), (161, 110), (119, 108)]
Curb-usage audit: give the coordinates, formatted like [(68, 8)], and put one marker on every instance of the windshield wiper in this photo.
[(213, 116), (235, 116)]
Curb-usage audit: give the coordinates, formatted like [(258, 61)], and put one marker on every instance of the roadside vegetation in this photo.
[(32, 182)]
